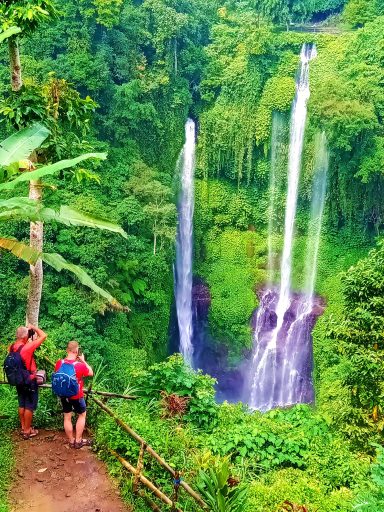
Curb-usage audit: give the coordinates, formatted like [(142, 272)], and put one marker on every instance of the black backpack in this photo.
[(15, 369)]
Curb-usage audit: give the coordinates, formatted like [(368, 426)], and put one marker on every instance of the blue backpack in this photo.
[(64, 381)]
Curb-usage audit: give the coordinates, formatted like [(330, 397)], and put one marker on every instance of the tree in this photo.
[(161, 212), (13, 152), (27, 15)]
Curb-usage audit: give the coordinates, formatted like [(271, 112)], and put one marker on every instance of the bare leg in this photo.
[(68, 427), (21, 417), (80, 424), (28, 415)]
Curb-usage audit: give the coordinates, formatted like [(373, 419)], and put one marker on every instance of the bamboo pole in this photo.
[(152, 505), (151, 451), (139, 468), (90, 391), (143, 479)]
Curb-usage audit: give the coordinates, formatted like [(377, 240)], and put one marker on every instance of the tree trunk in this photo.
[(36, 271), (14, 57)]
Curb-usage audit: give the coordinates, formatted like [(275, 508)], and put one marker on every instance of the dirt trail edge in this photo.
[(51, 477)]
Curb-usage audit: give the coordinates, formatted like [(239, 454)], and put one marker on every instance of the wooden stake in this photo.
[(152, 505), (139, 468)]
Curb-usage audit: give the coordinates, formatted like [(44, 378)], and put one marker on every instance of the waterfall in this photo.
[(274, 187), (298, 119), (184, 243), (273, 318), (294, 387)]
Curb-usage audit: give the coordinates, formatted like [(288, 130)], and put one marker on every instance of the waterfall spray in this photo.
[(317, 208), (184, 243), (266, 361), (274, 187)]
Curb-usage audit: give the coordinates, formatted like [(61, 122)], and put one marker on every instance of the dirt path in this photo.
[(51, 477)]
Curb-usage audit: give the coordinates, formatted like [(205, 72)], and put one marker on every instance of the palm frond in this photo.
[(21, 144), (48, 170)]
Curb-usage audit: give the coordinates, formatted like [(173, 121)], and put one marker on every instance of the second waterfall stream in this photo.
[(184, 243)]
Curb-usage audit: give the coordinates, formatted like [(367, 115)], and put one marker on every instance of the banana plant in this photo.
[(15, 150)]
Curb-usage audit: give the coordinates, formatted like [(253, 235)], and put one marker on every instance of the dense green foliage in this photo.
[(121, 77)]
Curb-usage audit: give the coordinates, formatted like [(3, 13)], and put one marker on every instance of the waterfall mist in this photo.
[(184, 243), (274, 187)]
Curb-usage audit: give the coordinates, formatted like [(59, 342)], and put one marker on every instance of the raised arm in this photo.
[(89, 368), (41, 335)]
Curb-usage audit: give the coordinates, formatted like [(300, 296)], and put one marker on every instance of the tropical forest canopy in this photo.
[(107, 86)]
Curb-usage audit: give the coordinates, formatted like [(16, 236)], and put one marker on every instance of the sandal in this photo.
[(83, 442), (32, 433), (71, 444)]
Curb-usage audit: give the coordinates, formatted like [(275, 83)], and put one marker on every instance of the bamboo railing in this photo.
[(144, 447)]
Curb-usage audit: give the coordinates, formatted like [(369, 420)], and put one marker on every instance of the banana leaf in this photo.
[(28, 210), (21, 144), (48, 170), (59, 263), (11, 31), (22, 251), (30, 255)]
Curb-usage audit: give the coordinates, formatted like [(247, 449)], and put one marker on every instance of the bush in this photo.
[(174, 376)]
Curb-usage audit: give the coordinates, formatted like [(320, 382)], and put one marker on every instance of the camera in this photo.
[(31, 333)]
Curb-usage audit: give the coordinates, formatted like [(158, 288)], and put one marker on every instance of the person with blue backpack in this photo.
[(67, 384)]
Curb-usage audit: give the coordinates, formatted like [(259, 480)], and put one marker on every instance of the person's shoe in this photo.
[(71, 444), (83, 442)]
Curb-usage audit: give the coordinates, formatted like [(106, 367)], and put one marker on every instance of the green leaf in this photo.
[(71, 217), (9, 32), (20, 250), (48, 170), (21, 144), (59, 263), (17, 202), (23, 208)]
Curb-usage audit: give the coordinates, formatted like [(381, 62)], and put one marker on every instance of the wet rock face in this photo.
[(201, 299)]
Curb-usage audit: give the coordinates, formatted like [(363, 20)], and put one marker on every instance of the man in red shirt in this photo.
[(28, 398), (75, 403)]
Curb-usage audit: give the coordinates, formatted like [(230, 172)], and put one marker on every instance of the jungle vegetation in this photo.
[(99, 92)]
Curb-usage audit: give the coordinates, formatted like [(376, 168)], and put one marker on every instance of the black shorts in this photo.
[(28, 398), (78, 405)]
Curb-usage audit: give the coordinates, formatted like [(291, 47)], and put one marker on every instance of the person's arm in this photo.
[(41, 336), (89, 368)]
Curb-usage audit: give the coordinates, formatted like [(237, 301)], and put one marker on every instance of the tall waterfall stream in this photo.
[(184, 243)]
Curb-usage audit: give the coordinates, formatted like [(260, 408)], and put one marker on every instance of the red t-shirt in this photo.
[(81, 370), (27, 353)]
